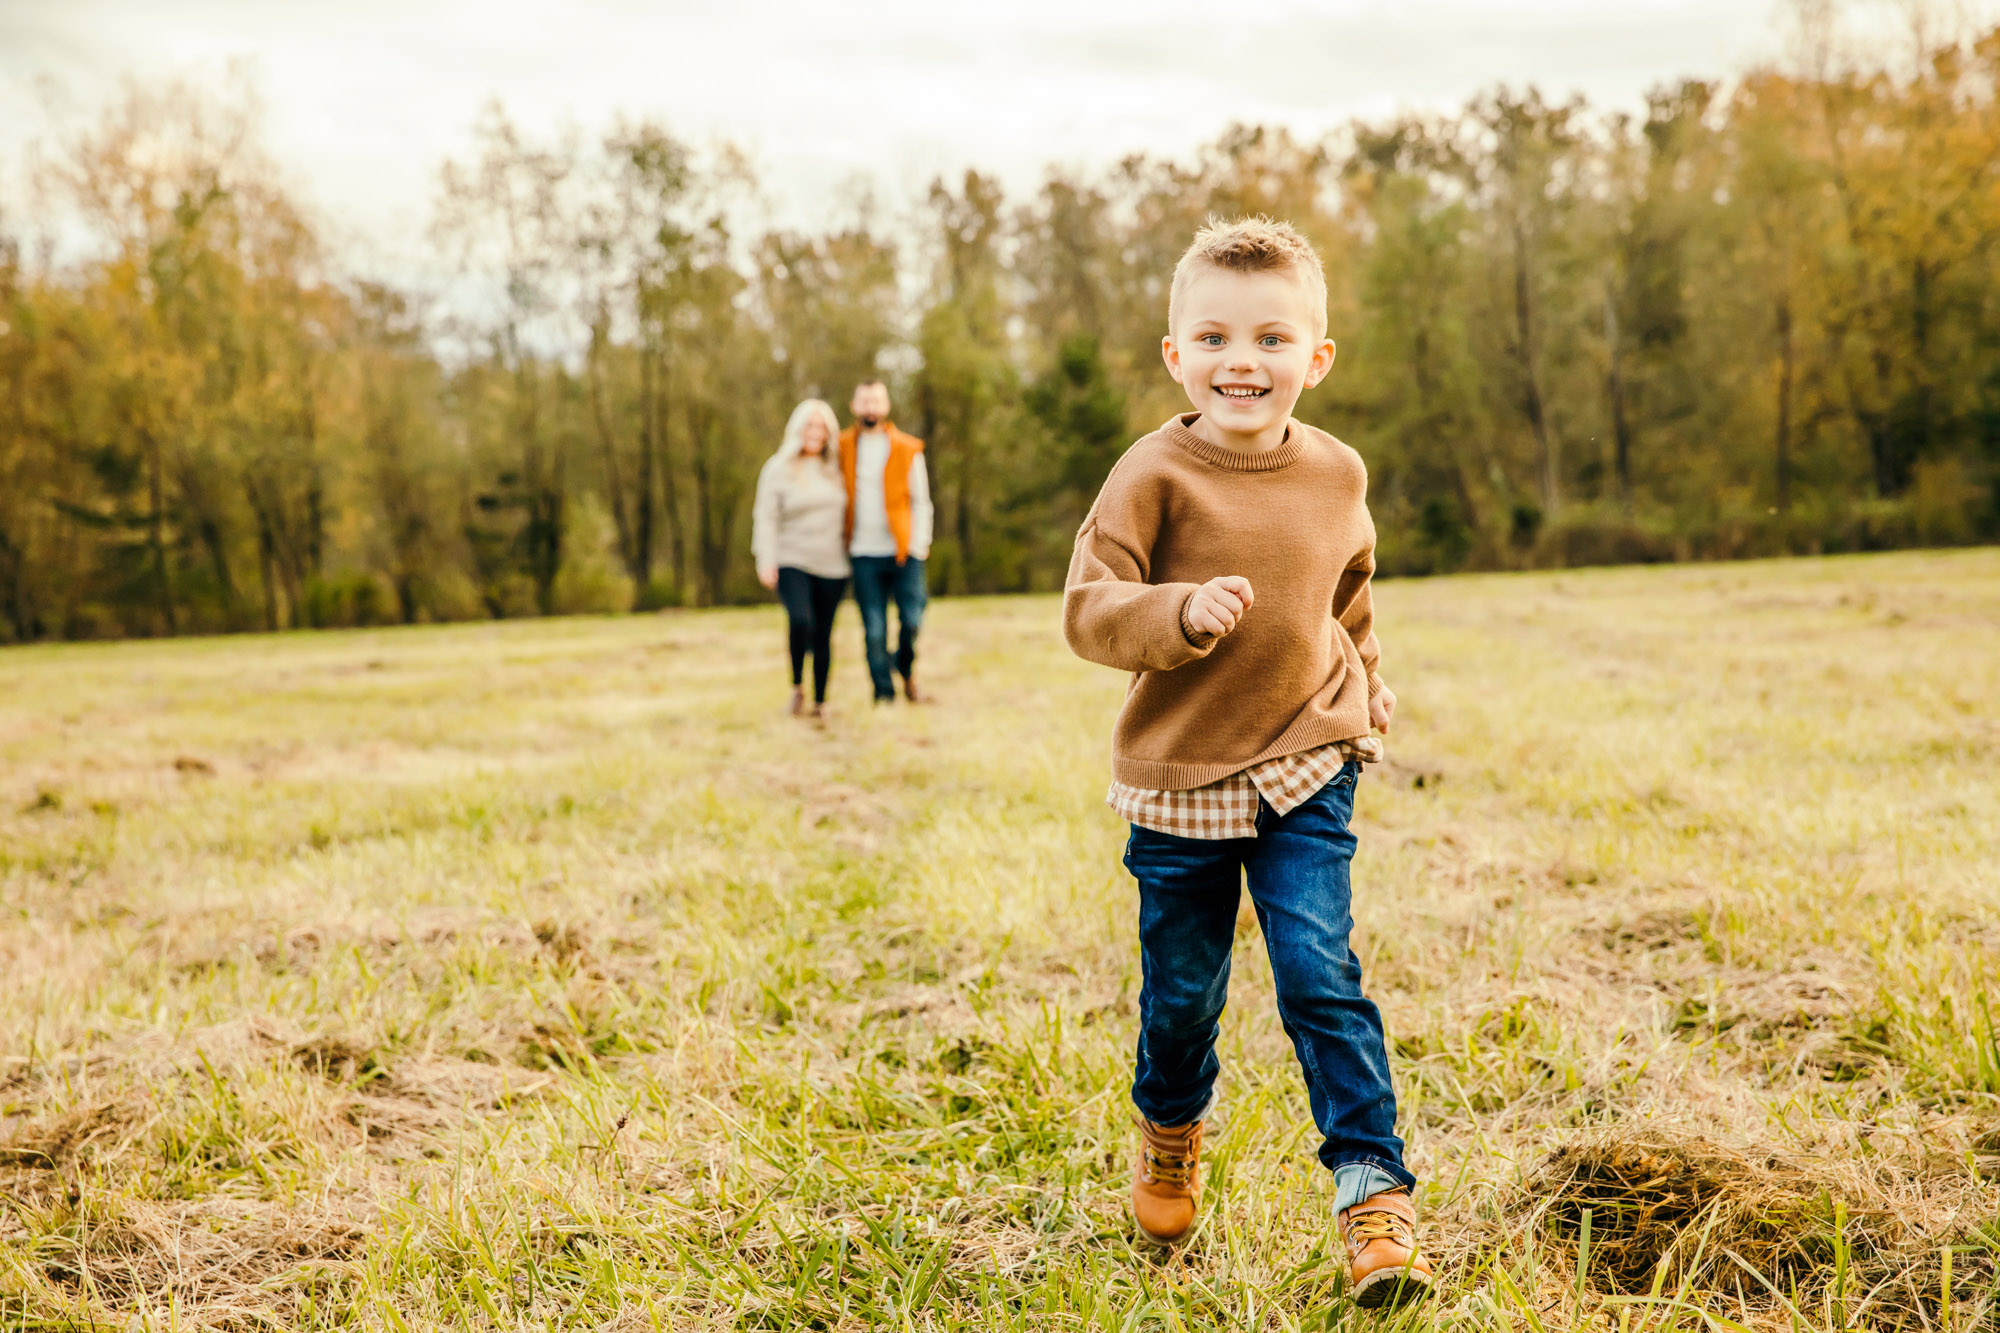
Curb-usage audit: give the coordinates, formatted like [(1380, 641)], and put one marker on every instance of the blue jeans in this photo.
[(877, 580), (1297, 867)]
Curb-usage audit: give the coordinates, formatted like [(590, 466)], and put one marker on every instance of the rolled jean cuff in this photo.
[(1365, 1180)]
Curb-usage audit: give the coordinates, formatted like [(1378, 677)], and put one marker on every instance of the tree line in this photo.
[(1760, 318)]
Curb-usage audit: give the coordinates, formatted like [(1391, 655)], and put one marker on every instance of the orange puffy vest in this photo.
[(903, 450)]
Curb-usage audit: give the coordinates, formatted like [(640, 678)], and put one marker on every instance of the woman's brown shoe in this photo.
[(1384, 1266), (798, 702), (1166, 1182)]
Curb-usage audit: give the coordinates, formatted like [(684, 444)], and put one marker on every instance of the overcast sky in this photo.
[(366, 97)]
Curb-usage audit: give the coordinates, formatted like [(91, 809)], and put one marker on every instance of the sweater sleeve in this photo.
[(1354, 608), (1111, 614), (764, 519)]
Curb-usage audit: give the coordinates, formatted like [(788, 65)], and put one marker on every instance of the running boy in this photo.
[(1226, 564)]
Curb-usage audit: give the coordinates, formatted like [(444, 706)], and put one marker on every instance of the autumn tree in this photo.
[(508, 217)]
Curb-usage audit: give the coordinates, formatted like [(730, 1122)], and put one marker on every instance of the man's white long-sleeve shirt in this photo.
[(871, 513)]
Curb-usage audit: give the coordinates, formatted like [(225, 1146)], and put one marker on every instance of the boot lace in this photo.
[(1371, 1226), (1173, 1166)]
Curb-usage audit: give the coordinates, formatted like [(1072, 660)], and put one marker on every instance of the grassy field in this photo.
[(545, 975)]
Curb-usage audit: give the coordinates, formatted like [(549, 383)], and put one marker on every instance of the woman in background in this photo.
[(798, 534)]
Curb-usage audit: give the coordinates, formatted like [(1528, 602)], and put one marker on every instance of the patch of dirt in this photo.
[(1685, 1210), (1657, 928)]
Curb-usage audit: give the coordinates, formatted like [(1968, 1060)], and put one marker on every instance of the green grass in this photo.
[(545, 975)]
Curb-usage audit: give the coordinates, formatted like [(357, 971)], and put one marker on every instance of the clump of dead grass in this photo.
[(339, 1059), (1669, 1213), (75, 1135), (240, 1263)]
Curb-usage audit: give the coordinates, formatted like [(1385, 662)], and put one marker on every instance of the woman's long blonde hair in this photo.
[(789, 449)]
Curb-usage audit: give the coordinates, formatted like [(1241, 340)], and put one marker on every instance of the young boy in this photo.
[(1225, 563)]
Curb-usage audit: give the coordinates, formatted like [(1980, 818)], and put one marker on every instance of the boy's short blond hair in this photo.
[(1252, 245)]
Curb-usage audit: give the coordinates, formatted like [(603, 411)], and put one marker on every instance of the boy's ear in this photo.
[(1172, 356), (1322, 362)]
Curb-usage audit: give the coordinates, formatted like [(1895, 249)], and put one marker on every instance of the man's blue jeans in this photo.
[(1297, 867), (877, 580)]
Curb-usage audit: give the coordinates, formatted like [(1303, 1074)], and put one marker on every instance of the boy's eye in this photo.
[(1211, 340), (1271, 340)]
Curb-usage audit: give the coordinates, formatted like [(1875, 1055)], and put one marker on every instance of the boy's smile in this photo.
[(1245, 350)]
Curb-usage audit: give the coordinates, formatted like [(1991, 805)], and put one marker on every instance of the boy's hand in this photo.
[(768, 577), (1381, 708), (1218, 604)]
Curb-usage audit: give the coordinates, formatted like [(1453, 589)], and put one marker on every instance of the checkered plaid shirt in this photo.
[(1228, 808)]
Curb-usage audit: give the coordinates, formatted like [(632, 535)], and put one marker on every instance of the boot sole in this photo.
[(1391, 1288)]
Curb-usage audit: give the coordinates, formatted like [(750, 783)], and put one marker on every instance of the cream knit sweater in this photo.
[(798, 518), (1300, 666)]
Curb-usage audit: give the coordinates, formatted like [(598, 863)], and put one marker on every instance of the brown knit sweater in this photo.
[(1300, 666)]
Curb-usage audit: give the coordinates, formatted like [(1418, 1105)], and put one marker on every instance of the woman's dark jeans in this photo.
[(810, 603), (1297, 867)]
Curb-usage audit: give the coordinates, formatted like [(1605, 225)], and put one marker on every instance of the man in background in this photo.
[(888, 534)]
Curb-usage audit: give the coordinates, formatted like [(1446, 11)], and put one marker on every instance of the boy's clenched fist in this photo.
[(1218, 604)]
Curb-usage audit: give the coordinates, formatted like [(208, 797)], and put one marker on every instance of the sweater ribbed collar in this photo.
[(1234, 460)]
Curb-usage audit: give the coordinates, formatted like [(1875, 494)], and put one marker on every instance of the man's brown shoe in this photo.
[(1384, 1267), (1166, 1183), (910, 692)]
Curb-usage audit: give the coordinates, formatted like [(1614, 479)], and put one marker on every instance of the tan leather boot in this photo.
[(1384, 1266), (1166, 1182)]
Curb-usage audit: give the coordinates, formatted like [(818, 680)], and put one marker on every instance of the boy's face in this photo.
[(1247, 345)]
